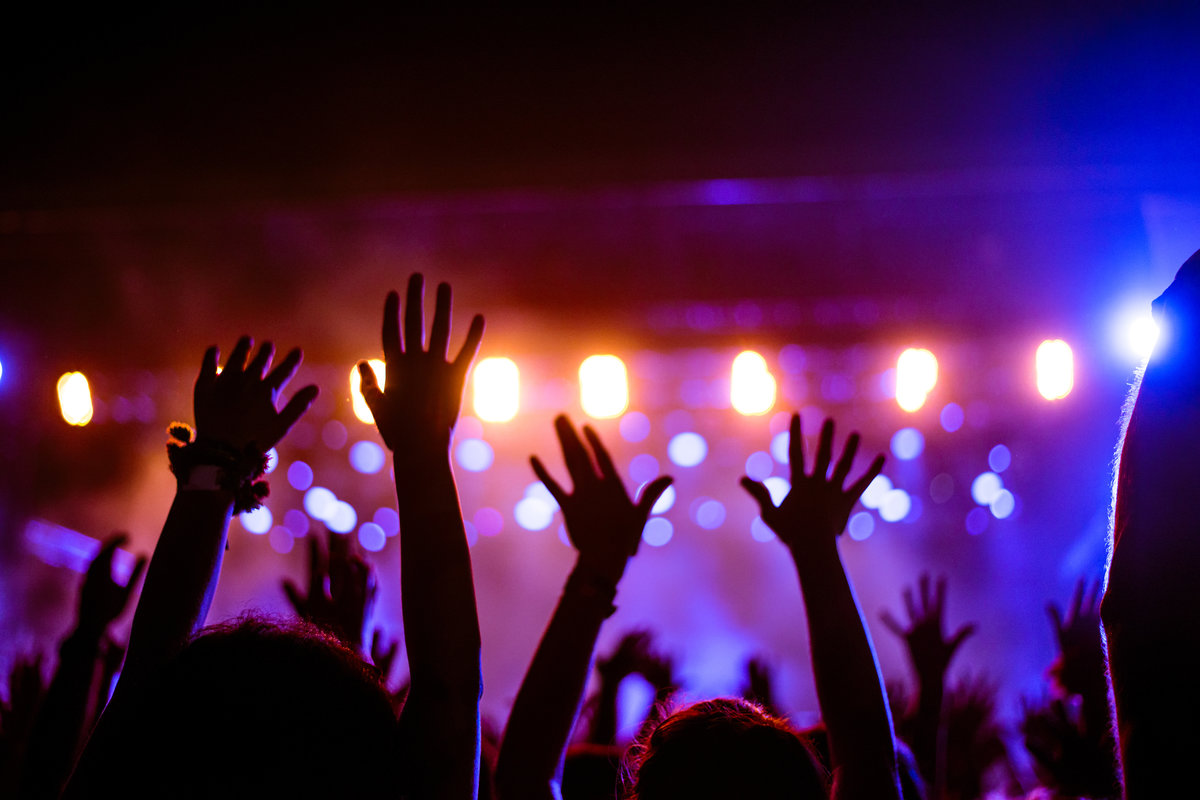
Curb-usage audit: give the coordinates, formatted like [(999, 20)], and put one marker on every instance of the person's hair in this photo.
[(259, 707), (723, 748)]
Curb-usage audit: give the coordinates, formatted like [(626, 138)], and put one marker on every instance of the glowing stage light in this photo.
[(1055, 369), (75, 398), (916, 375), (752, 387), (603, 387), (358, 403), (497, 394), (1133, 330)]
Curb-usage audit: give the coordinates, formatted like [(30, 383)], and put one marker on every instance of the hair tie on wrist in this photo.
[(238, 471)]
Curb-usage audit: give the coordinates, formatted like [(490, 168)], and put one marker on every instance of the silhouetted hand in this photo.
[(928, 647), (422, 391), (603, 524), (238, 405), (817, 507), (1080, 664), (101, 599), (635, 654), (341, 590)]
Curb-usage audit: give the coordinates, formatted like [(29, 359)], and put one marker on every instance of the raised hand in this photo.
[(928, 647), (817, 507), (1080, 664), (635, 653), (101, 599), (603, 524), (422, 391), (341, 590), (237, 406)]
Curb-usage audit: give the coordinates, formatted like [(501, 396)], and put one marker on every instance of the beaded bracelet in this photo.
[(204, 463)]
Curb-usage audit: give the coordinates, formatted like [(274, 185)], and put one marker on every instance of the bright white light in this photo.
[(1143, 334), (1134, 332), (875, 492), (778, 487), (371, 537), (343, 519), (895, 505), (533, 514), (687, 449), (860, 526), (474, 455), (258, 521), (497, 392), (603, 387), (761, 531), (985, 488), (664, 502), (366, 457), (916, 375), (658, 531), (1003, 504), (907, 444), (272, 460), (320, 503), (356, 398), (538, 489), (779, 446), (75, 398), (751, 386), (1055, 369)]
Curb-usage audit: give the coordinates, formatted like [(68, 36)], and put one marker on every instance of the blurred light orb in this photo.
[(1003, 504), (1133, 331), (538, 489), (1142, 336), (474, 455), (916, 375), (320, 503), (281, 540), (366, 457), (895, 505), (779, 446), (387, 519), (272, 461), (687, 449), (75, 399), (603, 386), (876, 490), (664, 502), (999, 458), (710, 514), (334, 435), (635, 426), (343, 519), (643, 468), (1055, 369), (299, 476), (761, 531), (296, 521), (907, 444), (778, 487), (258, 521), (497, 389), (357, 402), (759, 466), (752, 387), (533, 513), (860, 526), (985, 488), (977, 521), (952, 417), (658, 531), (488, 521), (371, 537)]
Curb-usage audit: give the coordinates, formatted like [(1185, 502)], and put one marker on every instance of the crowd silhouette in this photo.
[(304, 705)]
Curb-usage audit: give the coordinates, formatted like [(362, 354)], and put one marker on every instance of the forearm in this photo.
[(180, 580), (441, 626), (927, 744), (548, 703), (849, 688)]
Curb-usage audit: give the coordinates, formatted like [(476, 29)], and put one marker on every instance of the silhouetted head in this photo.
[(724, 748), (263, 708)]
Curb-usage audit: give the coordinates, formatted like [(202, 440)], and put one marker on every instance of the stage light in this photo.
[(258, 521), (916, 375), (1133, 330), (603, 387), (658, 531), (300, 476), (75, 398), (907, 444), (952, 417), (986, 487), (999, 458), (320, 503), (687, 449), (356, 399), (474, 455), (371, 537), (533, 513), (497, 394), (343, 519), (387, 519), (664, 502), (367, 457), (860, 526), (876, 490), (1055, 369), (751, 387), (895, 505)]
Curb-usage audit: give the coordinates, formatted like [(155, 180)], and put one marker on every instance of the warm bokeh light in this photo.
[(916, 375), (359, 403), (752, 387), (603, 387), (75, 398), (497, 389), (1055, 369)]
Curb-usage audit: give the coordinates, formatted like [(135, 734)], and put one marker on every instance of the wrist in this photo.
[(591, 588)]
